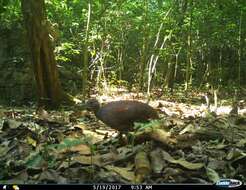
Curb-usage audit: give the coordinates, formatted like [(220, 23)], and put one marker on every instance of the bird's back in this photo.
[(121, 115)]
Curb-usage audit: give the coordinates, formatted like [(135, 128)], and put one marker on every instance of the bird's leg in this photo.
[(131, 138), (122, 138)]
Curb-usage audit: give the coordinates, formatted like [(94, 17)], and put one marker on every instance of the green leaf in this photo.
[(212, 175), (34, 160)]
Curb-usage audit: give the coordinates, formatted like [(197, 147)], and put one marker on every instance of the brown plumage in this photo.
[(121, 115)]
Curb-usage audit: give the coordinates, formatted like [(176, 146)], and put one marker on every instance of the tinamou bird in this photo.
[(121, 115)]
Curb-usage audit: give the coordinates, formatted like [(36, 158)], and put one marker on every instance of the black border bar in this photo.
[(113, 187)]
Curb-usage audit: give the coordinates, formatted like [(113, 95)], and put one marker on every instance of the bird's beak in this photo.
[(82, 106)]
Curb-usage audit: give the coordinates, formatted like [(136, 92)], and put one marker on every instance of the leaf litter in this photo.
[(187, 145)]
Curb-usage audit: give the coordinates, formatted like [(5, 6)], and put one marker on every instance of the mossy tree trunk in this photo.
[(44, 65)]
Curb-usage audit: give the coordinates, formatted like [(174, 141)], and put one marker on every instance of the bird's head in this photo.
[(92, 105)]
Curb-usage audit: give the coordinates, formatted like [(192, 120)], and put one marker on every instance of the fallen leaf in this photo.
[(212, 175), (189, 128), (182, 162), (88, 160), (123, 172), (31, 141)]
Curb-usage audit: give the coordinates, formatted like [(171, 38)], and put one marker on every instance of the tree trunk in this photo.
[(188, 77), (85, 64), (240, 47), (144, 46), (44, 65)]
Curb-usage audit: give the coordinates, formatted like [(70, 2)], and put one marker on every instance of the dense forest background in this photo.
[(142, 45)]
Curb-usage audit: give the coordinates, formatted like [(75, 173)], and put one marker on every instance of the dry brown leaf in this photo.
[(82, 149), (88, 160), (125, 173), (182, 162), (142, 166), (43, 114)]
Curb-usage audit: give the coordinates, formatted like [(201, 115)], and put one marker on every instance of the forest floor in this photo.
[(189, 144)]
